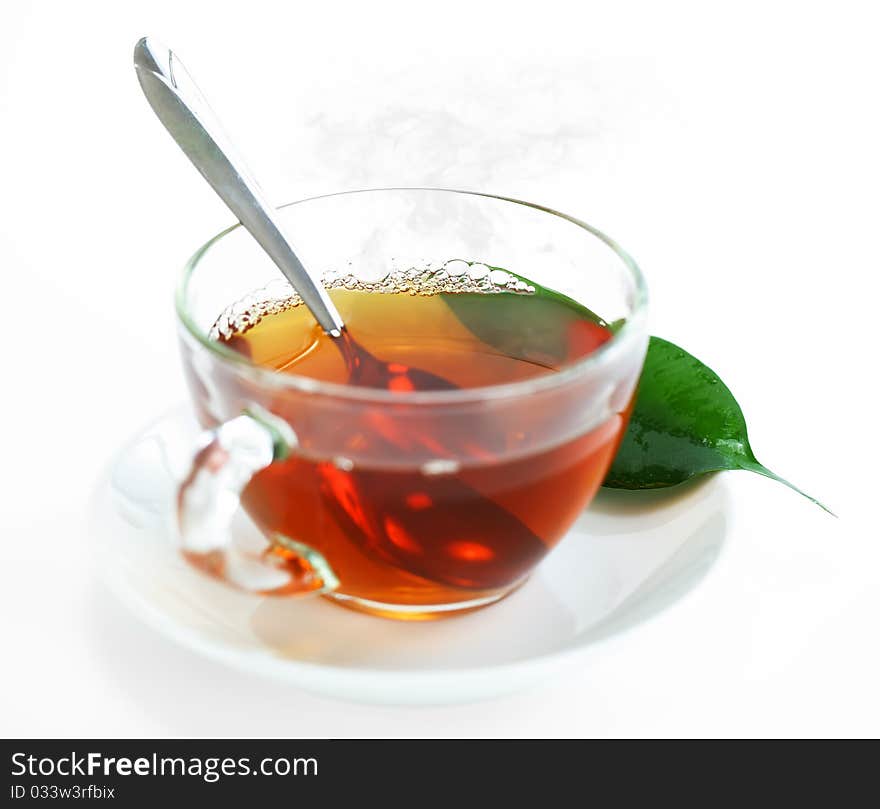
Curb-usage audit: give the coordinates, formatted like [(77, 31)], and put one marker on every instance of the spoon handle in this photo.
[(180, 106)]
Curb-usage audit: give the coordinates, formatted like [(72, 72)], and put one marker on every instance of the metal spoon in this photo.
[(181, 107), (361, 500)]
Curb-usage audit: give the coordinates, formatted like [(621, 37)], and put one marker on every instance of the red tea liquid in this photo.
[(470, 526)]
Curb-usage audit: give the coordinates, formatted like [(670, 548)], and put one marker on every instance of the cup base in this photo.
[(418, 612)]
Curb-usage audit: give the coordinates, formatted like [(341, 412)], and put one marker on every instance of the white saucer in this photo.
[(632, 555)]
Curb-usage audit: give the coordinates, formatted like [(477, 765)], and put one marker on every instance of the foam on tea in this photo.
[(468, 524), (454, 320)]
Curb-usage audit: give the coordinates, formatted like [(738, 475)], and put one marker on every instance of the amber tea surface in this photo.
[(454, 532)]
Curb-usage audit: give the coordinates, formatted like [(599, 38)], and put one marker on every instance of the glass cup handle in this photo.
[(226, 459)]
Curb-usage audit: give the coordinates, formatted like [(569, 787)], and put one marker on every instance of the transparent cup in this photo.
[(426, 527)]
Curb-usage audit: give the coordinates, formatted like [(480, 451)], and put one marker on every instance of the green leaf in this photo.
[(685, 422), (534, 327)]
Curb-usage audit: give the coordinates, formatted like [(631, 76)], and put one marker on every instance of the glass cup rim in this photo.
[(571, 372)]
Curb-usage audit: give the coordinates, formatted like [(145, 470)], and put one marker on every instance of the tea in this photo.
[(466, 525)]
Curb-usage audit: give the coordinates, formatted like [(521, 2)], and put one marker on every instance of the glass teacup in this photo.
[(422, 527)]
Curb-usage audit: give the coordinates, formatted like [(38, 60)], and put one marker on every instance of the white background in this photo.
[(731, 148)]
